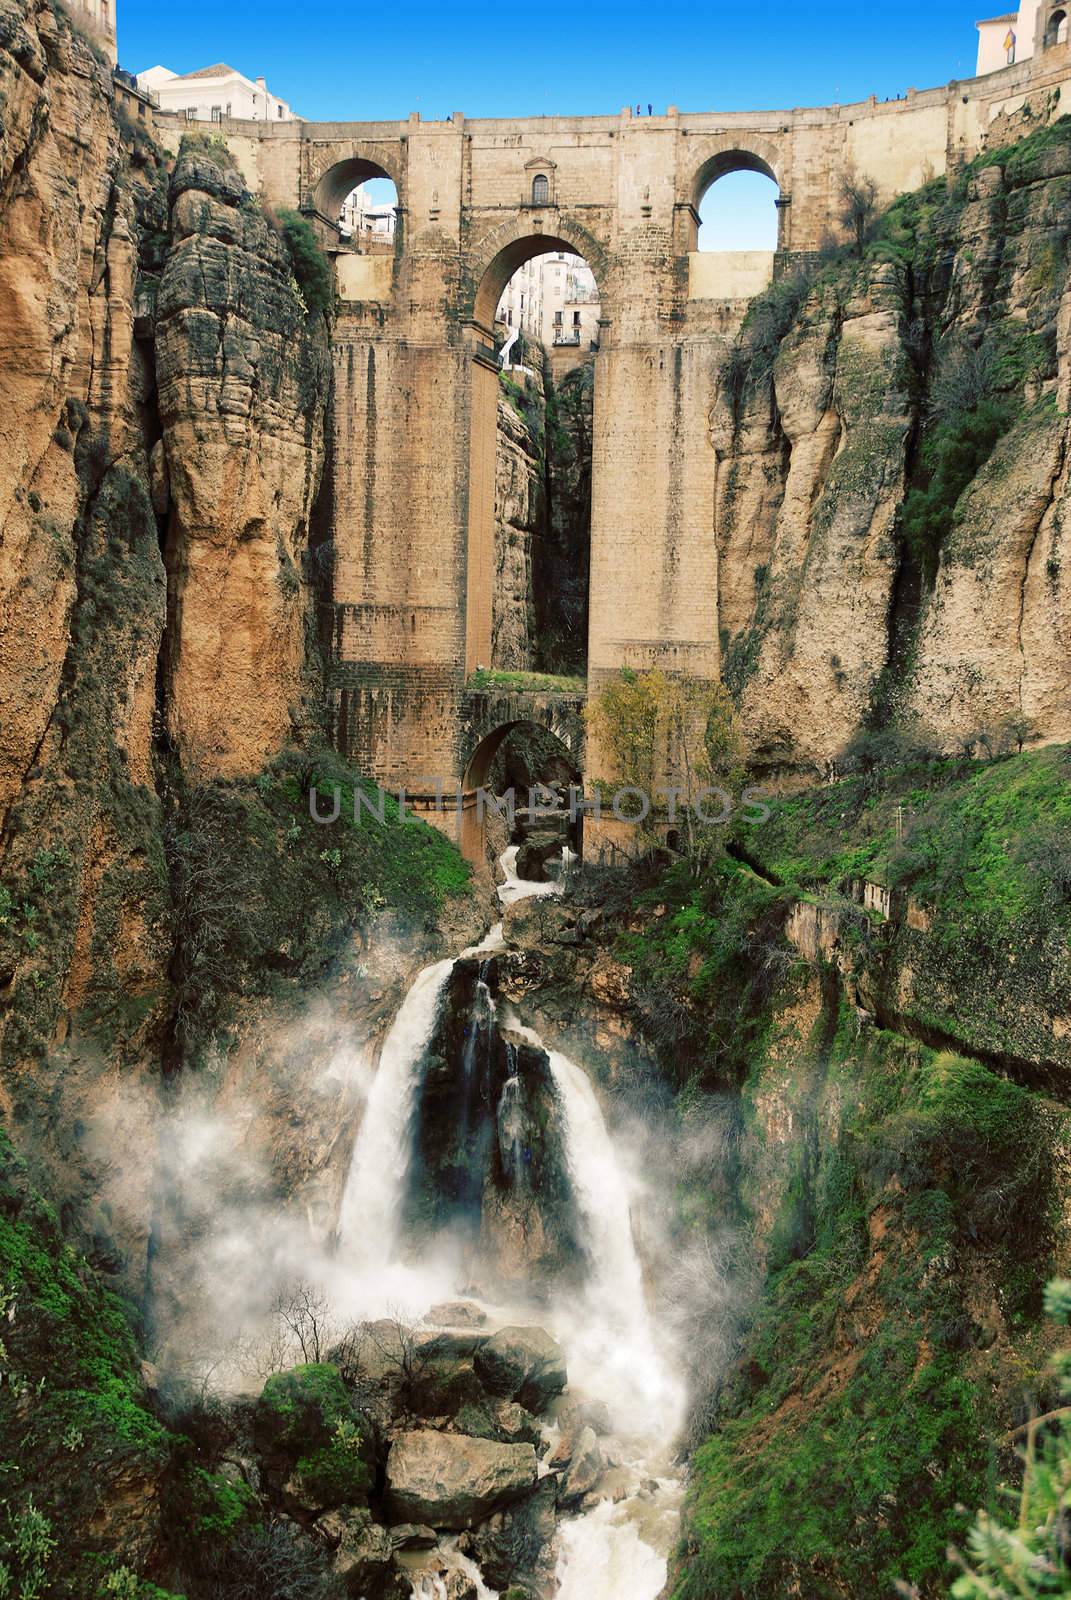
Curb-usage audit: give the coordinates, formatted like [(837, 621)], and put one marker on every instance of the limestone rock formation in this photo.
[(522, 1364), (519, 510), (243, 376), (848, 593), (452, 1481)]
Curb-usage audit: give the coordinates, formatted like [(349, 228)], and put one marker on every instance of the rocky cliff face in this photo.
[(519, 513), (243, 375), (162, 394), (891, 437)]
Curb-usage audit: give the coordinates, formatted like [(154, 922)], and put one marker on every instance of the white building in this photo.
[(97, 17), (367, 222), (212, 93), (553, 298), (1037, 26)]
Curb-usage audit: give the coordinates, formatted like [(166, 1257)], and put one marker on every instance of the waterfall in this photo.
[(371, 1202), (516, 888), (611, 1552)]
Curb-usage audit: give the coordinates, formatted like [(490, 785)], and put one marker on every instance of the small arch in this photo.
[(540, 189), (1056, 32), (722, 163), (740, 212), (760, 159), (340, 180), (482, 759)]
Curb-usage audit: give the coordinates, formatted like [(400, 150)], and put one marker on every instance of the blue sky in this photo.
[(341, 60), (337, 59)]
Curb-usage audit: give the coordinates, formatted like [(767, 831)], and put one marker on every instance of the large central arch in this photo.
[(497, 258), (499, 254)]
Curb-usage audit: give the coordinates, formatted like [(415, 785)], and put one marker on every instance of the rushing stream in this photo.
[(616, 1549)]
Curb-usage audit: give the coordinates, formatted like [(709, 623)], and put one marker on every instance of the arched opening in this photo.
[(517, 787), (1056, 32), (736, 220), (360, 199), (531, 462), (368, 218), (739, 212), (540, 189)]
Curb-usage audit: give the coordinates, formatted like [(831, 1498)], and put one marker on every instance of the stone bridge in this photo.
[(488, 716), (415, 385)]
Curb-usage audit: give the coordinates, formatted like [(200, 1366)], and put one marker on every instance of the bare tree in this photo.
[(859, 203)]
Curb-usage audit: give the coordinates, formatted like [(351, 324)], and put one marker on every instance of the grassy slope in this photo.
[(81, 1457), (910, 1221)]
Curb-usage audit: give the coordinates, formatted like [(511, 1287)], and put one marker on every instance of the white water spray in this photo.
[(371, 1203)]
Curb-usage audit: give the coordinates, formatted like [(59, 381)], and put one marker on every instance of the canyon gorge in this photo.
[(596, 1214)]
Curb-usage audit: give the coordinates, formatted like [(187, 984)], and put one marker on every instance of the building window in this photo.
[(217, 113), (576, 319), (278, 111), (1057, 30), (540, 190)]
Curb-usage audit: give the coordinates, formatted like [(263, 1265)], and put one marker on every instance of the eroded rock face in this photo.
[(519, 503), (522, 1364), (452, 1480), (825, 611), (243, 376)]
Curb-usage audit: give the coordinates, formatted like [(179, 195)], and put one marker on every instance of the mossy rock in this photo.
[(309, 1428)]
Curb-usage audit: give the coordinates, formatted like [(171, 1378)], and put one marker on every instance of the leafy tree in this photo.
[(1026, 1556), (660, 733)]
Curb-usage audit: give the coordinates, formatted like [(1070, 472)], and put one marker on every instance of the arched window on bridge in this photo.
[(540, 189), (739, 212), (532, 420), (369, 216), (1056, 32)]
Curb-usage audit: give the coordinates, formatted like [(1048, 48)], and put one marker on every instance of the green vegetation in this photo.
[(983, 861), (307, 1416), (74, 1428), (1027, 1558), (212, 147), (705, 968), (855, 1423), (311, 271), (491, 680), (527, 402), (263, 894), (979, 838), (657, 733), (951, 458)]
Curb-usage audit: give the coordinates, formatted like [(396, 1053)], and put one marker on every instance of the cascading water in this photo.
[(369, 1216), (617, 1550)]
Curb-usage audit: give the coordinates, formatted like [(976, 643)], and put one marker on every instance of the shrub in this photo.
[(307, 1416), (309, 263), (1026, 1557), (951, 458)]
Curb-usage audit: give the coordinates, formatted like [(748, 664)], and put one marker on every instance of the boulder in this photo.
[(456, 1314), (364, 1556), (585, 1467), (516, 1545), (516, 1425), (522, 1364), (451, 1480), (443, 1387), (413, 1536), (534, 853)]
